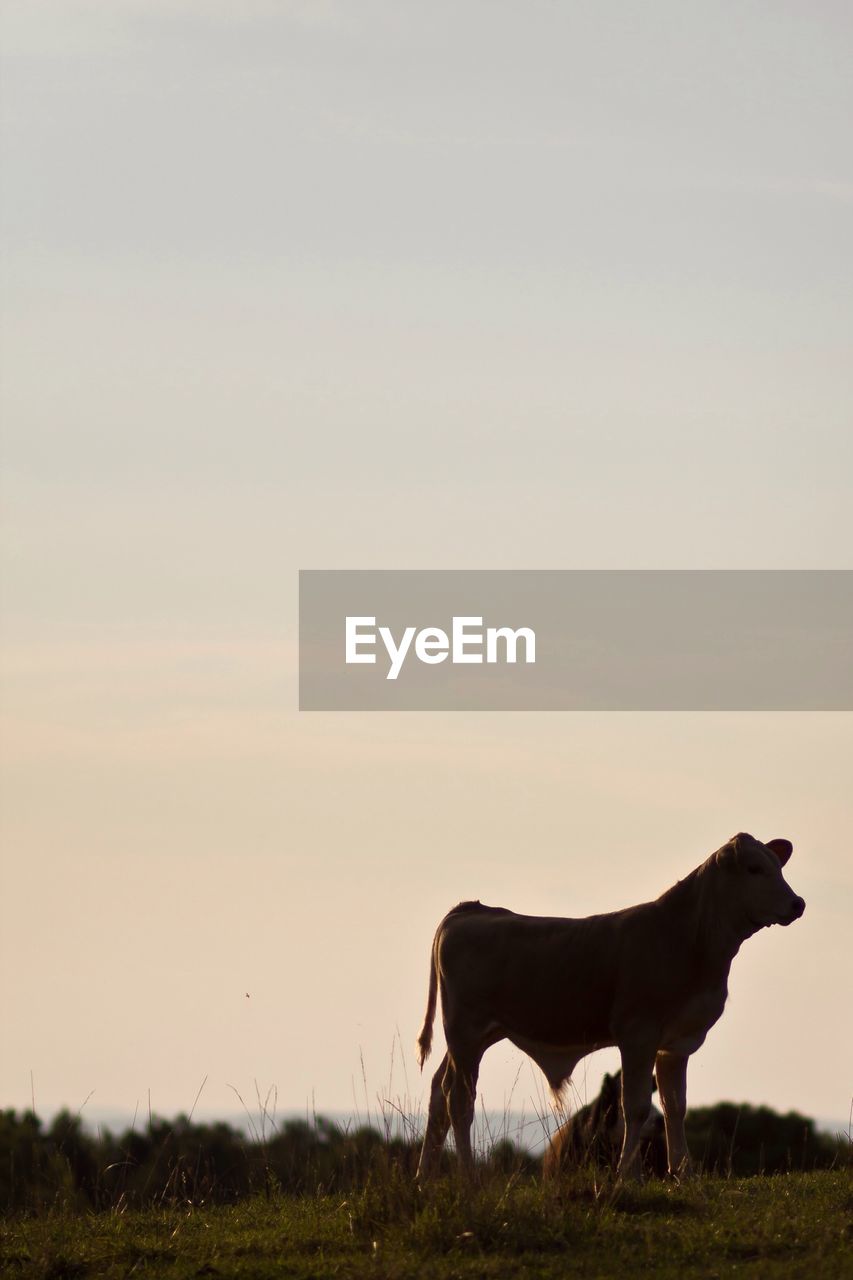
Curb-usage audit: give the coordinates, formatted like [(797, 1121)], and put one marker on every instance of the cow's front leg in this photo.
[(638, 1062), (671, 1072)]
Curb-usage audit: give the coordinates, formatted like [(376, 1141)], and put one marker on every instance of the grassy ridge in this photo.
[(794, 1225)]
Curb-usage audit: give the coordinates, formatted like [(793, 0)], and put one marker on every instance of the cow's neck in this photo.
[(708, 933)]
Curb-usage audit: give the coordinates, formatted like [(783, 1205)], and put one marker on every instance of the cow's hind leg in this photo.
[(438, 1121), (462, 1097)]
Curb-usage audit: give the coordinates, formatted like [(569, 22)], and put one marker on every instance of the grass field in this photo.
[(794, 1225)]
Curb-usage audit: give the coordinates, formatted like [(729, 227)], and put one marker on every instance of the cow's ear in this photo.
[(782, 848)]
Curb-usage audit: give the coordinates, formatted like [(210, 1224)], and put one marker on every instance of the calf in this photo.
[(651, 979), (595, 1134)]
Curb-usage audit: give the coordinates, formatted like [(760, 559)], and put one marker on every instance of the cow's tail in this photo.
[(425, 1038), (462, 908)]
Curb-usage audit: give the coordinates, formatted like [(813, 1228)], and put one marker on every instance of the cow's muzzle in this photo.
[(798, 906)]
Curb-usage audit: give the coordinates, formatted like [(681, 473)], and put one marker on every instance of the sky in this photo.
[(392, 285)]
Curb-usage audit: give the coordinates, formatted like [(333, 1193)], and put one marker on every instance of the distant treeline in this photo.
[(737, 1140), (168, 1162)]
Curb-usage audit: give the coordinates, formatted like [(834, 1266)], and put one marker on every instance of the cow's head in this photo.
[(763, 895)]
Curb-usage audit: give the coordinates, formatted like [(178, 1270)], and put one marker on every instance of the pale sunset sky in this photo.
[(398, 285)]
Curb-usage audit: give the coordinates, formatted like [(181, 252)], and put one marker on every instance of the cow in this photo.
[(650, 979), (595, 1133)]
